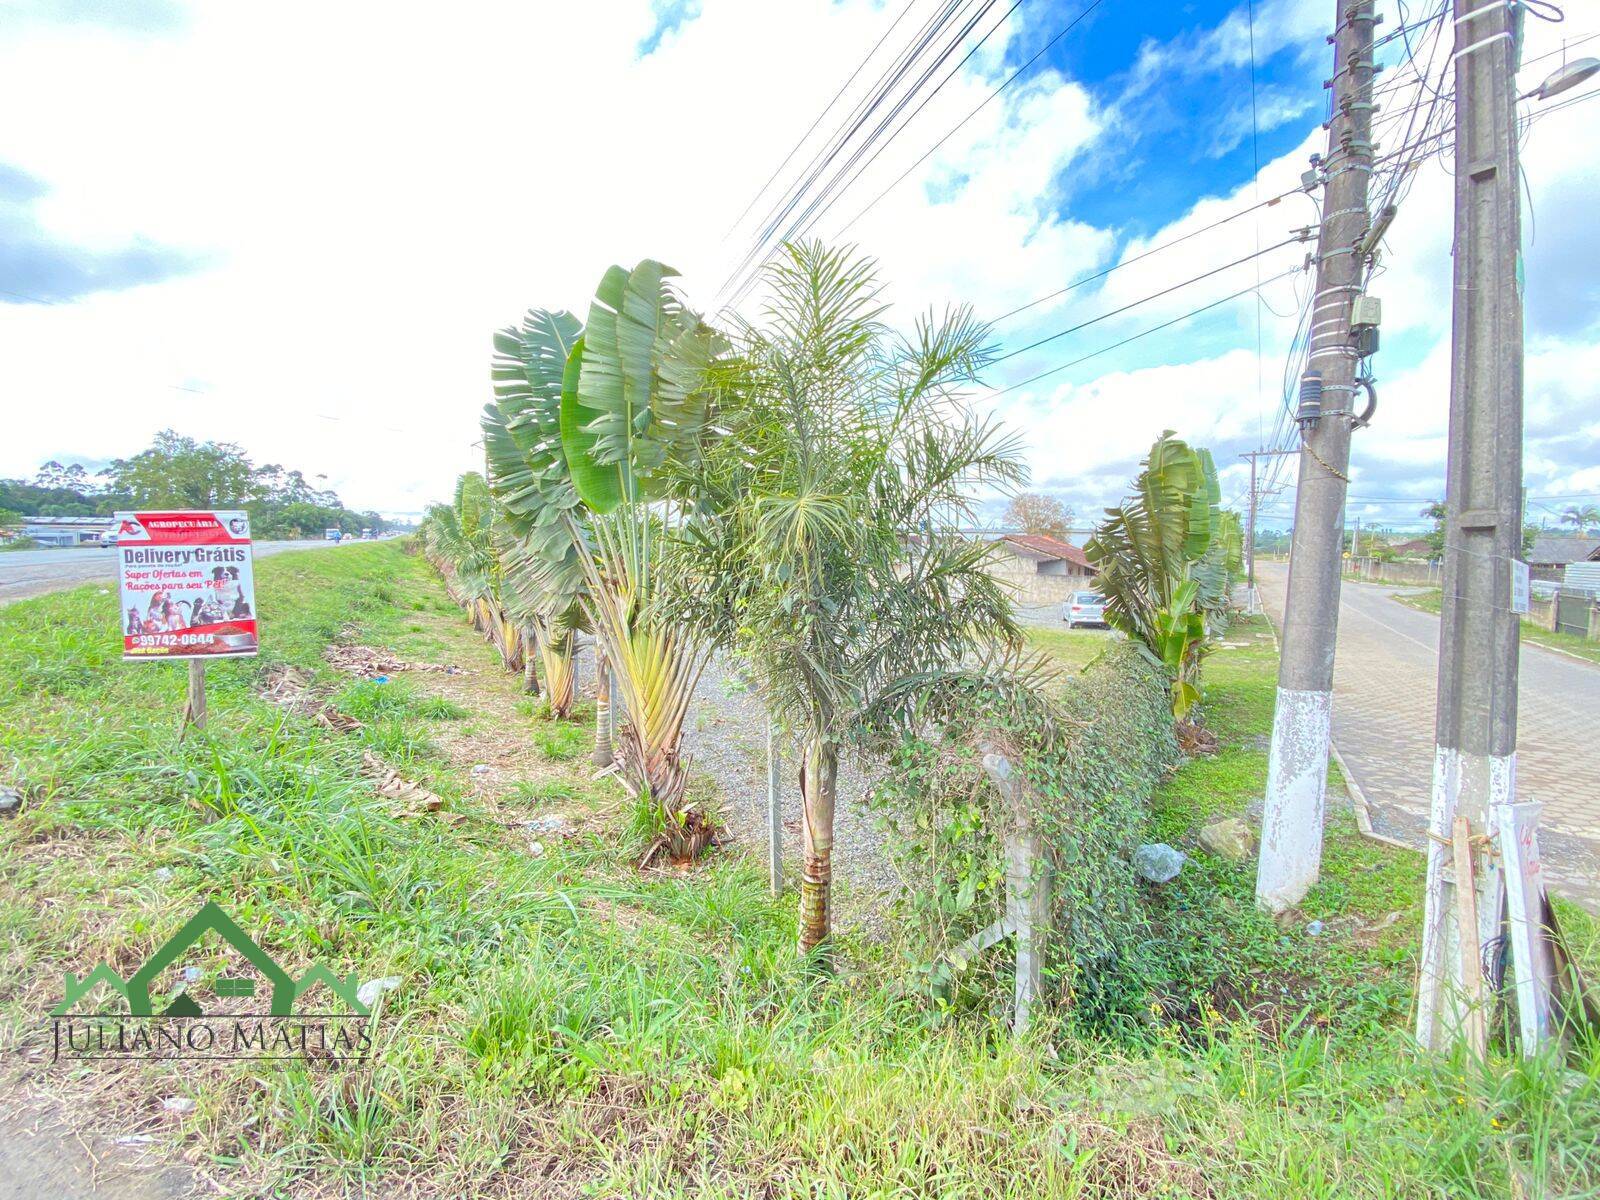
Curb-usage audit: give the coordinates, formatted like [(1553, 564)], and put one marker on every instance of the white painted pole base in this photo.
[(1297, 784), (1479, 787)]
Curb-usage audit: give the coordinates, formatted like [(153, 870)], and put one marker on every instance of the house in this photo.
[(66, 531), (1039, 569), (1550, 555)]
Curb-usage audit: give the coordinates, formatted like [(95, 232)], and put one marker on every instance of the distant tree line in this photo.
[(181, 472)]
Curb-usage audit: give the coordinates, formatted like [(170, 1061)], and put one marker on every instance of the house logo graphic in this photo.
[(292, 1025)]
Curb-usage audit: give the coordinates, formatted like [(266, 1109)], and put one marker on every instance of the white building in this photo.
[(66, 531)]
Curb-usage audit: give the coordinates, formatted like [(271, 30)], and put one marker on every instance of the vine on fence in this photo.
[(1092, 748)]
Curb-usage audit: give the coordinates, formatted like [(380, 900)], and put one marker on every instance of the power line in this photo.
[(1068, 28), (1127, 262), (887, 80), (1194, 312), (812, 128), (1146, 299), (765, 237)]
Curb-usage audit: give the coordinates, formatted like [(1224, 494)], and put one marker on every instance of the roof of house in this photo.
[(1557, 551), (1036, 545)]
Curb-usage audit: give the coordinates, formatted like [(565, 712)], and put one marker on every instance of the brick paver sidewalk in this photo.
[(1385, 674)]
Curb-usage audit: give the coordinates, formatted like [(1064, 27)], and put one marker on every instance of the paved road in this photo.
[(26, 573), (1384, 680)]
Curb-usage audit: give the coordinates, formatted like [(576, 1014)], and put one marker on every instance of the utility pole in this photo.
[(1250, 532), (1255, 499), (1291, 826), (1475, 761)]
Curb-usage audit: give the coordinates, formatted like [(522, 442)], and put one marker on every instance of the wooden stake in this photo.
[(194, 711), (1476, 1026), (774, 810)]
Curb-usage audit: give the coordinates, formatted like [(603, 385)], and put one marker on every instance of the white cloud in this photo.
[(379, 188)]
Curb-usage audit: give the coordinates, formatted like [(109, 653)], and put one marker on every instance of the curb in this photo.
[(1398, 599), (1358, 801)]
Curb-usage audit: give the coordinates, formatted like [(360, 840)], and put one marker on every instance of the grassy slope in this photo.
[(565, 1023), (1570, 642)]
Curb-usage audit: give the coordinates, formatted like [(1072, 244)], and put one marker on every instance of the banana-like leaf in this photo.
[(1153, 558), (641, 398), (528, 470), (599, 485)]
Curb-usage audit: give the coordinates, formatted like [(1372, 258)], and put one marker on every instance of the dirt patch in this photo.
[(294, 688), (494, 746), (369, 662)]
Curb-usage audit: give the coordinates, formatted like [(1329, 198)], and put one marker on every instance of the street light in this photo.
[(1563, 78)]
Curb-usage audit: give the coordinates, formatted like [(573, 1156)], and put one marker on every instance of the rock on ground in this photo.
[(1229, 838)]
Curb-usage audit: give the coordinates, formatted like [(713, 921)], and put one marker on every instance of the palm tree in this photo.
[(588, 424), (456, 537), (819, 543), (635, 413), (1581, 517), (532, 487), (1156, 564)]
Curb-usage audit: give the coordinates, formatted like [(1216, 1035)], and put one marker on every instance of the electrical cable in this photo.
[(1166, 291), (887, 81), (812, 128), (1068, 28), (756, 255), (1140, 257), (1194, 312)]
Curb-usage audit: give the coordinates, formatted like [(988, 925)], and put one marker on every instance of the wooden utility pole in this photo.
[(1475, 751), (1297, 772)]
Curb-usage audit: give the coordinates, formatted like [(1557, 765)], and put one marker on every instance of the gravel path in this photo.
[(726, 740)]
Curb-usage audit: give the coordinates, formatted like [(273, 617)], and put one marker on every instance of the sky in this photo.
[(296, 227)]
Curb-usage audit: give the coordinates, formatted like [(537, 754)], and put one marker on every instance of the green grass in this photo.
[(1076, 648), (1429, 601), (566, 1025)]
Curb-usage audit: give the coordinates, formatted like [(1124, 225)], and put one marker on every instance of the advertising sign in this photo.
[(187, 587)]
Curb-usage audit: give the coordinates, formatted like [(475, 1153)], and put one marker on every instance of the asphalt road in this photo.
[(26, 573), (1384, 679)]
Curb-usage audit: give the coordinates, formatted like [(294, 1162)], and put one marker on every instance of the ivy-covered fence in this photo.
[(1088, 750)]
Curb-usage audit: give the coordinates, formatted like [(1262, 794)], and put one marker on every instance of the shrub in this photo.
[(1092, 755)]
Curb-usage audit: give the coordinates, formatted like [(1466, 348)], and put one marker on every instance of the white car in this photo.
[(1084, 608)]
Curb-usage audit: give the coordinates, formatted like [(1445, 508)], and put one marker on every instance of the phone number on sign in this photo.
[(170, 639)]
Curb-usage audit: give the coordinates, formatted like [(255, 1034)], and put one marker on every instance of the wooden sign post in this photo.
[(194, 712)]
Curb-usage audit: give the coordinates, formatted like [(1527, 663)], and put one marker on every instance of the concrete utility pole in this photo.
[(1291, 826), (1255, 499), (1475, 759), (1250, 530)]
